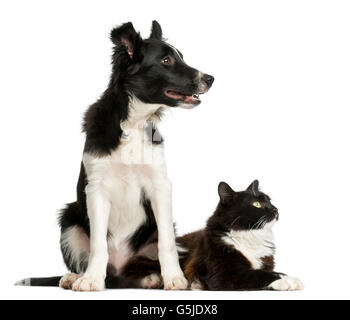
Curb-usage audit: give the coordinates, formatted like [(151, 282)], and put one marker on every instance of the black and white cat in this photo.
[(234, 252)]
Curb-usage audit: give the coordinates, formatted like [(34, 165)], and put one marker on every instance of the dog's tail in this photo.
[(39, 282), (111, 282)]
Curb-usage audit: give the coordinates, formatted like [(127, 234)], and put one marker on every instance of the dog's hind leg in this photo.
[(75, 242), (75, 247), (67, 281)]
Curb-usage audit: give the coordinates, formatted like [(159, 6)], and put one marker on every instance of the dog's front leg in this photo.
[(172, 274), (98, 211)]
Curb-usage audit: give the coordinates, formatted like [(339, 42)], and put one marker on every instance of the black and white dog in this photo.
[(124, 204)]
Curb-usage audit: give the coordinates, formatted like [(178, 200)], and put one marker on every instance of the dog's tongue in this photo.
[(191, 99)]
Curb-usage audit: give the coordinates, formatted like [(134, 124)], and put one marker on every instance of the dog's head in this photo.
[(154, 71)]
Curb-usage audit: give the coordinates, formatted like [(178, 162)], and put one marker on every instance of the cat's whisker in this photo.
[(234, 221), (252, 227), (264, 222), (261, 225), (261, 222), (256, 224)]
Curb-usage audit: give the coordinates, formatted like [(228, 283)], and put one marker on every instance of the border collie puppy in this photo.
[(124, 201)]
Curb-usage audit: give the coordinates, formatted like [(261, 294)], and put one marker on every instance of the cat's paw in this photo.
[(175, 283), (89, 283), (286, 284), (67, 281), (153, 281), (196, 285)]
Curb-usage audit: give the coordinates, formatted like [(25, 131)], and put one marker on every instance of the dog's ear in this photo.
[(156, 32), (126, 36)]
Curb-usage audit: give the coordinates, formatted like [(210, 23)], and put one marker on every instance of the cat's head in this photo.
[(245, 210)]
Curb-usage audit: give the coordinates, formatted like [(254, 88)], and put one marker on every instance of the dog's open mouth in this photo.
[(176, 95)]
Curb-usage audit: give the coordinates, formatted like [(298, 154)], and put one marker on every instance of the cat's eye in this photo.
[(257, 204)]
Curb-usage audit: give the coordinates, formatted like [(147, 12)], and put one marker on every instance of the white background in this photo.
[(278, 111)]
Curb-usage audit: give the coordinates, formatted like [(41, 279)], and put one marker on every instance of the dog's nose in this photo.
[(208, 79)]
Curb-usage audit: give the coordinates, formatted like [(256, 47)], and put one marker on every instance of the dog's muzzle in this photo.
[(205, 82)]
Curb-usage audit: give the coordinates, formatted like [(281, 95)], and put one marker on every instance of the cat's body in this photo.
[(221, 262), (234, 252)]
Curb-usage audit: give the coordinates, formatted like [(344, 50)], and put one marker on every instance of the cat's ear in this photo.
[(156, 32), (126, 36), (254, 187), (226, 193)]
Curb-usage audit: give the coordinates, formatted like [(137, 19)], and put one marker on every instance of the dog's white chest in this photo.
[(124, 176)]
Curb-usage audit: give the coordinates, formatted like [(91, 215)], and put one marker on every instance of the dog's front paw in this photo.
[(89, 283), (287, 284), (153, 281), (67, 281), (175, 283)]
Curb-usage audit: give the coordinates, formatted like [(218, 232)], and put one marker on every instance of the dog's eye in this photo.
[(167, 61), (256, 204)]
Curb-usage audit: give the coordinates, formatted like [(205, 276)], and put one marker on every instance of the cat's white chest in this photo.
[(254, 244)]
